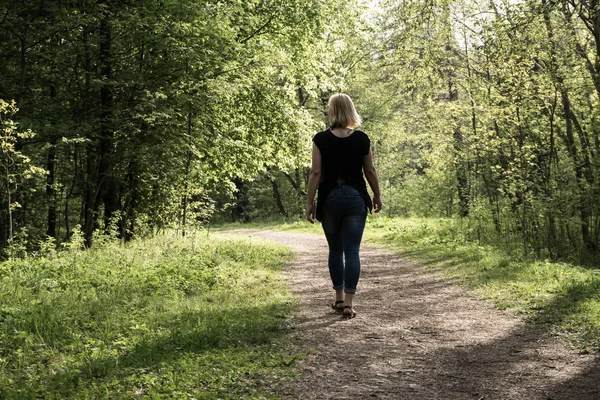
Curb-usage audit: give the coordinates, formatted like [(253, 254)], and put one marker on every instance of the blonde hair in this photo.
[(341, 112)]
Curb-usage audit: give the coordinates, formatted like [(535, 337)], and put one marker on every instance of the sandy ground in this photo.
[(418, 336)]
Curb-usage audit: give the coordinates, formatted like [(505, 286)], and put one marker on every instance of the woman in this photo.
[(340, 154)]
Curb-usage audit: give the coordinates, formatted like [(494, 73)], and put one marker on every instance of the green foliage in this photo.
[(167, 316), (151, 111), (16, 168), (170, 114), (344, 43), (488, 110)]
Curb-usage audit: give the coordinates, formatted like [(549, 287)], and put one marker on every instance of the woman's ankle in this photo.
[(348, 299)]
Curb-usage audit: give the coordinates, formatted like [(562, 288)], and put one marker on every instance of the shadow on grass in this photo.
[(564, 309), (444, 259)]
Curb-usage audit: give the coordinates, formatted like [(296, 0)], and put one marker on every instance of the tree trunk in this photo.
[(186, 196), (9, 208), (582, 172), (188, 162), (89, 205), (50, 189), (277, 196), (131, 202), (461, 173), (107, 183), (22, 70), (295, 183), (238, 212), (584, 208)]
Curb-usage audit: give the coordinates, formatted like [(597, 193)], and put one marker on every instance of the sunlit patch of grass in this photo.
[(200, 317)]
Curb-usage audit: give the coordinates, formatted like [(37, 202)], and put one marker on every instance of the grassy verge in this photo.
[(563, 296), (160, 318)]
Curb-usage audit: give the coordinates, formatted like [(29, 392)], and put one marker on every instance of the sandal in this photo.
[(335, 306), (349, 315)]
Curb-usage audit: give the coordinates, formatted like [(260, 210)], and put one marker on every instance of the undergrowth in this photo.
[(166, 317)]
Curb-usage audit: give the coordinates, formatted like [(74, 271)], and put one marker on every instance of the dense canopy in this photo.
[(135, 117)]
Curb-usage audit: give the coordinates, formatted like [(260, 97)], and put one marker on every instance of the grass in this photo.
[(166, 317), (565, 297)]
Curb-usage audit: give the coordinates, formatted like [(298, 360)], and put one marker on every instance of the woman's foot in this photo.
[(338, 306), (348, 312)]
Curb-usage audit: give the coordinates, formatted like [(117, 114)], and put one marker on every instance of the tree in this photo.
[(146, 110), (17, 169)]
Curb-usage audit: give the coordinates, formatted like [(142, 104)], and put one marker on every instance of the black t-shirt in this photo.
[(342, 158)]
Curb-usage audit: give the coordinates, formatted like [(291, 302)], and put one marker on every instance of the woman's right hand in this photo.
[(310, 212)]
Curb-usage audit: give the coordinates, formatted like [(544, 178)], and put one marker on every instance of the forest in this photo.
[(136, 117)]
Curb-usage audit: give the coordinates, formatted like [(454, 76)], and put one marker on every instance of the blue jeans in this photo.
[(344, 217)]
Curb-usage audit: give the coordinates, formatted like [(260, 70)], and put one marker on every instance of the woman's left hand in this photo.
[(377, 205), (310, 213)]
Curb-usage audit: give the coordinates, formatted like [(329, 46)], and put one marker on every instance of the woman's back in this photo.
[(342, 157)]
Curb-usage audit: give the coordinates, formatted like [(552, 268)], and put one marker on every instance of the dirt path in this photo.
[(418, 336)]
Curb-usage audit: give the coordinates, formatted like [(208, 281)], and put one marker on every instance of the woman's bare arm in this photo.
[(313, 182), (371, 175)]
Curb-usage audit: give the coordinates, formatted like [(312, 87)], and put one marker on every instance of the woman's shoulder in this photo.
[(320, 136), (326, 134), (361, 135)]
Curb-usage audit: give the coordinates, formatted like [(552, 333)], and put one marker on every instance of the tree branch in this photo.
[(294, 184), (259, 30)]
